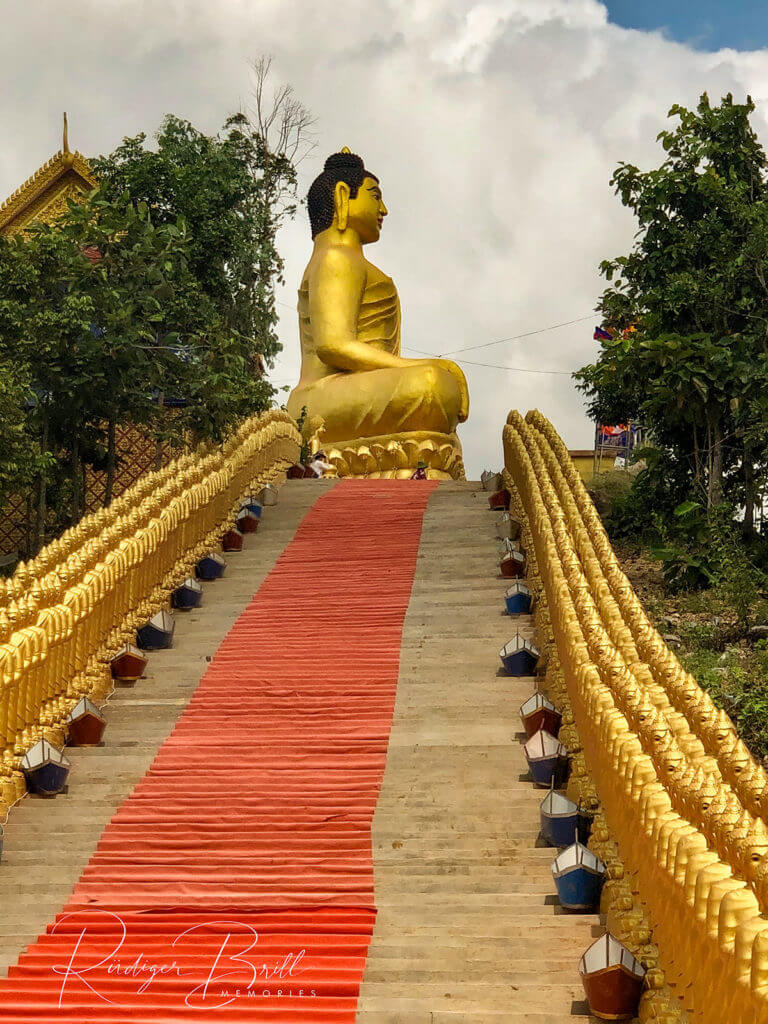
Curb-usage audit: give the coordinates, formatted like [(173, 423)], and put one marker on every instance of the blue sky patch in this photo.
[(703, 24)]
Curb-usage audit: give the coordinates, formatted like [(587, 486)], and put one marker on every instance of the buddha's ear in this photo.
[(341, 204)]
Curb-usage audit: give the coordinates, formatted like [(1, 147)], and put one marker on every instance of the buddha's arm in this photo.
[(336, 289)]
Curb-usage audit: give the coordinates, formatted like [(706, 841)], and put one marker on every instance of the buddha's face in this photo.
[(367, 211)]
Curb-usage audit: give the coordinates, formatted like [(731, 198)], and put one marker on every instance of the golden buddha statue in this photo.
[(373, 412)]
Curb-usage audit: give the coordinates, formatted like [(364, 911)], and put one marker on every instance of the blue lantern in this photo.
[(157, 633), (562, 820), (210, 567), (579, 877), (187, 596), (547, 759), (518, 599), (519, 656), (252, 505), (45, 768)]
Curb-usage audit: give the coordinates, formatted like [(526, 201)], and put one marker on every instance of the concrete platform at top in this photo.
[(468, 928)]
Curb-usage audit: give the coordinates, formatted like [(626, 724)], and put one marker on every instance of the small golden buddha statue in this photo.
[(374, 412)]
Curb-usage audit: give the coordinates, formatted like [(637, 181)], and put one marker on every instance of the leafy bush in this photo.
[(609, 491), (738, 683)]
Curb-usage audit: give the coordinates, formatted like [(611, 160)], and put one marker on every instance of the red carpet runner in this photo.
[(236, 881)]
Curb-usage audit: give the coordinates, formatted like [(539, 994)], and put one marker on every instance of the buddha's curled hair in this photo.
[(346, 167)]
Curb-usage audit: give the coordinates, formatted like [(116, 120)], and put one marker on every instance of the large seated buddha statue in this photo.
[(371, 411)]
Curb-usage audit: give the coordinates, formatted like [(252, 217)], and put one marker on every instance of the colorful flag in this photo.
[(602, 335)]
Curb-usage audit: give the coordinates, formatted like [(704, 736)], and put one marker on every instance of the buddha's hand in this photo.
[(461, 380)]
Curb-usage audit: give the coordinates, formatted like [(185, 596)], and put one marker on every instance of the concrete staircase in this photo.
[(49, 842), (468, 927)]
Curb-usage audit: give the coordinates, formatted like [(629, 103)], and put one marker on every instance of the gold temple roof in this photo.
[(44, 196)]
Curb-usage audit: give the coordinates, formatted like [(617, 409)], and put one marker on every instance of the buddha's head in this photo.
[(346, 195)]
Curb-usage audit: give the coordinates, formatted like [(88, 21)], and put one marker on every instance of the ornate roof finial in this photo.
[(344, 149), (65, 142)]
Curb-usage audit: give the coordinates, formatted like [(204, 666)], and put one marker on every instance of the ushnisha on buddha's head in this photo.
[(346, 197)]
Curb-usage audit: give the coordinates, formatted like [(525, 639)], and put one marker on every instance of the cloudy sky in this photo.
[(494, 126)]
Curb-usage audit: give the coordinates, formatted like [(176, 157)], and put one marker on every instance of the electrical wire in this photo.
[(485, 344), (515, 337), (494, 366)]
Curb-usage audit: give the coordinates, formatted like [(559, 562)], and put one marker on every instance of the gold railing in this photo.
[(65, 614), (681, 804)]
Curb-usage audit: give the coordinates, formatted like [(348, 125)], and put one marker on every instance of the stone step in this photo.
[(468, 927)]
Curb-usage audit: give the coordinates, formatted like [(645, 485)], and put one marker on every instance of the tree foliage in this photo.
[(229, 191), (155, 290), (689, 305)]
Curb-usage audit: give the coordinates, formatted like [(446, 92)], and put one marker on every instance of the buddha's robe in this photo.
[(373, 403)]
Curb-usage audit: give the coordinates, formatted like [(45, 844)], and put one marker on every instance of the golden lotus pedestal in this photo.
[(397, 456)]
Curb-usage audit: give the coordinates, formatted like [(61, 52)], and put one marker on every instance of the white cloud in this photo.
[(493, 125)]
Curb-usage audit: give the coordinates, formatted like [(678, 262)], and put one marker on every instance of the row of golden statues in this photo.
[(680, 804), (67, 612)]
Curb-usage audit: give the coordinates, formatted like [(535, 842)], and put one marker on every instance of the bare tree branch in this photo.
[(285, 125)]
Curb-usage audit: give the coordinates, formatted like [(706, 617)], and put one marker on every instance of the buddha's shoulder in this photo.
[(341, 260), (336, 258)]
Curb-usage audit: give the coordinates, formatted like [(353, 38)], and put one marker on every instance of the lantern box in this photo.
[(187, 596), (267, 495), (128, 664), (252, 505), (210, 567), (512, 565), (540, 713), (507, 527), (157, 633), (579, 877), (612, 979), (499, 501), (232, 540), (547, 760), (562, 821), (85, 724), (518, 600), (519, 656), (247, 521), (491, 481), (45, 768), (507, 546)]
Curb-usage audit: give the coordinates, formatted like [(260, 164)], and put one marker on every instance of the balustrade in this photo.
[(67, 612), (682, 805)]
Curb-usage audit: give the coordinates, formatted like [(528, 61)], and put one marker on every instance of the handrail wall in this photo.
[(65, 614), (681, 795)]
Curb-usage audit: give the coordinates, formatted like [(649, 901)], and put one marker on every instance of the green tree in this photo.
[(233, 191), (18, 455), (45, 332), (104, 323), (688, 305), (146, 307), (157, 289)]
